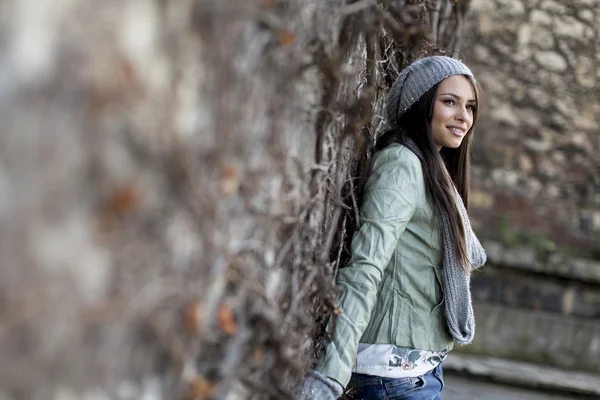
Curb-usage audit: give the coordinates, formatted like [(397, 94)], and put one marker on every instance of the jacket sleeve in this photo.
[(391, 196)]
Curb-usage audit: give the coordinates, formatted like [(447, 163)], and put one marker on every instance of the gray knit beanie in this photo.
[(416, 79)]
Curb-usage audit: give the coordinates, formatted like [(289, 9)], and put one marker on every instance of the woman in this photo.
[(405, 296)]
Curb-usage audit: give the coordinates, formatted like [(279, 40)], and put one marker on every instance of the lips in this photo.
[(457, 131)]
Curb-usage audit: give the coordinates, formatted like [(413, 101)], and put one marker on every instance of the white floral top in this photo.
[(391, 361)]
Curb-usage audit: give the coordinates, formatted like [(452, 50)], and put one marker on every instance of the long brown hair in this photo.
[(415, 124)]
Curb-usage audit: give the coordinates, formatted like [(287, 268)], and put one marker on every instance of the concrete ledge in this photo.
[(555, 264), (537, 337), (524, 374), (524, 290)]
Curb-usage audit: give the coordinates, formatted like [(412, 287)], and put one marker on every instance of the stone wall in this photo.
[(537, 307), (537, 164), (521, 277), (536, 337)]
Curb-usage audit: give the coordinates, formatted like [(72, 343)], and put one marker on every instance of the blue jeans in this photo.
[(369, 387)]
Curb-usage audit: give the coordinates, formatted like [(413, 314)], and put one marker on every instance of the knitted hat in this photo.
[(416, 79)]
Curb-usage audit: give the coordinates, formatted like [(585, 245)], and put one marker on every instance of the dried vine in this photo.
[(192, 182)]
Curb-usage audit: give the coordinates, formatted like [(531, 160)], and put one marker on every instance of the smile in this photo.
[(456, 131)]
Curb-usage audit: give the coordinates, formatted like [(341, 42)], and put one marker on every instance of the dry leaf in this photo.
[(200, 388), (286, 37), (230, 181), (226, 320), (124, 200), (191, 317)]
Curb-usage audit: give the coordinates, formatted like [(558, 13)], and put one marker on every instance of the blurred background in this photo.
[(179, 181), (536, 185)]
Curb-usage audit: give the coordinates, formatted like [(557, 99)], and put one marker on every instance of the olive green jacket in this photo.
[(391, 288)]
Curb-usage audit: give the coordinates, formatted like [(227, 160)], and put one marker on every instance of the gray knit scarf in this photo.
[(455, 281)]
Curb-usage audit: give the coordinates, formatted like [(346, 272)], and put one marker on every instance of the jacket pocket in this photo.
[(439, 292), (408, 322)]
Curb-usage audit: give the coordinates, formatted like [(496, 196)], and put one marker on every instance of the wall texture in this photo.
[(537, 150), (176, 176), (175, 179), (537, 307)]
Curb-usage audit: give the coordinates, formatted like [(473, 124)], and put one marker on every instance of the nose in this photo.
[(462, 114)]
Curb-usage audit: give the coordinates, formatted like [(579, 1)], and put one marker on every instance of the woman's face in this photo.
[(453, 111)]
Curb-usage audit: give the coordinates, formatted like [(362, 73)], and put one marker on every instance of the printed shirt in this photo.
[(391, 361)]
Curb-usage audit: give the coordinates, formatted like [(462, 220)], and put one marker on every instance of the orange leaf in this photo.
[(226, 320), (191, 317), (124, 200), (200, 388), (230, 181), (286, 37)]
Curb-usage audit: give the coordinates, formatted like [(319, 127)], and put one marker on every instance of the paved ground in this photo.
[(536, 378), (468, 388)]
